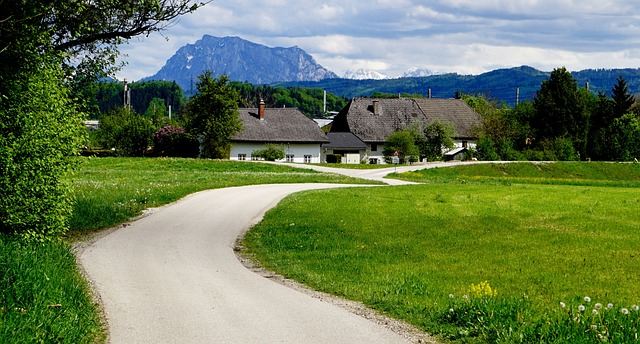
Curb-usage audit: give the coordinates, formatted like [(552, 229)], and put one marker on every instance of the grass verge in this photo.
[(487, 259), (44, 297)]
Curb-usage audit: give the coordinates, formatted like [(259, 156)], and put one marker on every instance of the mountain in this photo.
[(364, 74), (415, 72), (241, 60), (499, 84)]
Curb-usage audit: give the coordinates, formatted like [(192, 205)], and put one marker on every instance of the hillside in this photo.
[(499, 84)]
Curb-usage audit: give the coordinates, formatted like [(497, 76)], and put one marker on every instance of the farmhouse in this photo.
[(372, 120), (298, 134)]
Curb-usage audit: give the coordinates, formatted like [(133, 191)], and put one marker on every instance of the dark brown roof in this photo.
[(344, 140), (280, 125), (454, 111), (360, 117), (395, 114)]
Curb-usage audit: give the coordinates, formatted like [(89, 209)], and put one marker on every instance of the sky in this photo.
[(392, 36)]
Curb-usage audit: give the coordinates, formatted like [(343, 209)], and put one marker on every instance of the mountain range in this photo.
[(243, 60)]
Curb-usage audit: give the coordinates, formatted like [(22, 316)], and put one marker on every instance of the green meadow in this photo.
[(479, 253)]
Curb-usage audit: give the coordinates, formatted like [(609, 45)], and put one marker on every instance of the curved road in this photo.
[(173, 277)]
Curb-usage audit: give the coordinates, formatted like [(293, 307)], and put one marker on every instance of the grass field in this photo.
[(112, 190), (44, 298), (540, 236)]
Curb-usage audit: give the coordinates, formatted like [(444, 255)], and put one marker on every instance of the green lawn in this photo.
[(414, 252)]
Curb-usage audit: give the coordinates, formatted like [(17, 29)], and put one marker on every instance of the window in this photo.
[(374, 147), (289, 157), (242, 156), (307, 159)]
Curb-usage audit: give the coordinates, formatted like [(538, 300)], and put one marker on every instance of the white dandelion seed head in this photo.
[(451, 310), (465, 297), (610, 305), (587, 299), (451, 296), (624, 311), (598, 306), (595, 312), (581, 308), (594, 327), (563, 305), (635, 308)]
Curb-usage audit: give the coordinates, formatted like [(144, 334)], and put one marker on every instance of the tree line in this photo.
[(563, 122)]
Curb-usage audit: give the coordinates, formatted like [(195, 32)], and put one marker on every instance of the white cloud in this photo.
[(464, 36)]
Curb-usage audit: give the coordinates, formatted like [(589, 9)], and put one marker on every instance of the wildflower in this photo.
[(610, 305), (635, 308), (451, 296), (624, 311), (587, 299), (581, 308), (595, 312), (562, 305), (598, 306)]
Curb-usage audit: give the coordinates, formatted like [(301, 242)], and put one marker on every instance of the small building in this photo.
[(344, 146), (298, 134)]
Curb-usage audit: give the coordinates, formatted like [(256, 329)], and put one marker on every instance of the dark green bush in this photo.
[(270, 153), (175, 142), (334, 158)]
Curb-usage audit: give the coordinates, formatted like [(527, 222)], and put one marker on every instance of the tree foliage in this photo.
[(45, 48), (40, 133), (404, 143), (129, 133), (307, 100), (213, 115), (439, 137), (105, 96)]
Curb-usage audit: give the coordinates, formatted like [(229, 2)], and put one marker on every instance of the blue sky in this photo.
[(391, 36)]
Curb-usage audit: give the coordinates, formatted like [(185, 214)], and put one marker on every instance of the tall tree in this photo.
[(622, 99), (560, 110), (45, 47), (213, 115), (439, 137)]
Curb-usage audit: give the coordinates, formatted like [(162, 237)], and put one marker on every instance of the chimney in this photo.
[(261, 110), (429, 93), (376, 106)]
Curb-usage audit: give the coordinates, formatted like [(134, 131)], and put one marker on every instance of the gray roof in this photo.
[(454, 111), (344, 140), (280, 125), (392, 115), (395, 114)]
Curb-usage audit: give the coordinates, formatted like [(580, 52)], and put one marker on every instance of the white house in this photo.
[(298, 134)]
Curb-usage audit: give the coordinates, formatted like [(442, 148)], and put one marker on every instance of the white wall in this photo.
[(298, 150)]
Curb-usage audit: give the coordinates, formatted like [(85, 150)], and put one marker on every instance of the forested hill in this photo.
[(500, 84)]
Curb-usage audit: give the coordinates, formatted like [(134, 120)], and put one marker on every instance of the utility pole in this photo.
[(126, 97), (517, 95)]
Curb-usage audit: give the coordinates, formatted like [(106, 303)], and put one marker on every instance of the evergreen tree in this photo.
[(622, 99)]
